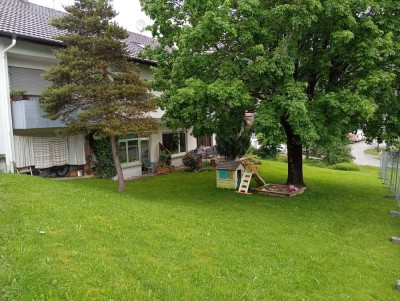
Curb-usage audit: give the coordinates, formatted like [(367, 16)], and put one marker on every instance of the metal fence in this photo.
[(390, 164)]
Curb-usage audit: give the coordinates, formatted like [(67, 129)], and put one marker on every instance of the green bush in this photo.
[(337, 153), (164, 159), (346, 166), (206, 166), (232, 145), (105, 166), (267, 152), (251, 151), (311, 160), (315, 162), (192, 161), (282, 158)]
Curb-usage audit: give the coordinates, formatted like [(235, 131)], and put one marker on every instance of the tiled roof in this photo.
[(31, 22), (137, 42), (228, 165)]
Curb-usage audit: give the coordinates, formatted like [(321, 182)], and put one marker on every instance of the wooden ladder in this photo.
[(245, 181)]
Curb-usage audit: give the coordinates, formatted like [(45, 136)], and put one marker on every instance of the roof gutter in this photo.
[(8, 126), (14, 41)]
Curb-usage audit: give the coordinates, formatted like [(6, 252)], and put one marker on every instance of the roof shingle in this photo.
[(31, 22), (228, 165)]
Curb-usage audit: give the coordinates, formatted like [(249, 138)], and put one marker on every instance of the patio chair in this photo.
[(148, 167)]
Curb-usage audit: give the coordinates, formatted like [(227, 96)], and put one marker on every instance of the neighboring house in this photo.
[(28, 139), (356, 136)]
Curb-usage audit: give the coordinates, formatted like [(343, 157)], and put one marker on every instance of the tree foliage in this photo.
[(233, 135), (95, 88), (384, 125), (313, 70)]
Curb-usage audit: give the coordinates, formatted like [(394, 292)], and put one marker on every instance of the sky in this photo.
[(130, 15)]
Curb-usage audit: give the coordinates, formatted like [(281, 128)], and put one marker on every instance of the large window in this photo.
[(175, 142), (132, 149), (204, 141)]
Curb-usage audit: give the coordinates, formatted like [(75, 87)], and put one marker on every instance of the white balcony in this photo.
[(28, 114)]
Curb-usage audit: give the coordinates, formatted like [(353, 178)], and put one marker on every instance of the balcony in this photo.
[(27, 114)]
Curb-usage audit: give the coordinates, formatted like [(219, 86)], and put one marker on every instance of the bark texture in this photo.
[(294, 154), (120, 175)]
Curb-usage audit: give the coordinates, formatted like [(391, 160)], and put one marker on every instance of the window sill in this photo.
[(180, 155), (131, 164)]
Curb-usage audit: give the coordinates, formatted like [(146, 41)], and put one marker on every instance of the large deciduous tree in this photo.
[(312, 69), (384, 125), (95, 88)]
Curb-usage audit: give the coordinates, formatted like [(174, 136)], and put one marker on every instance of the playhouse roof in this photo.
[(30, 22), (229, 165)]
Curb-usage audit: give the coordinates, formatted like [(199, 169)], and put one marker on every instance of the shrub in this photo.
[(282, 158), (346, 166), (164, 159), (251, 151), (191, 161), (315, 162), (232, 142), (206, 166), (267, 151), (337, 153), (105, 166)]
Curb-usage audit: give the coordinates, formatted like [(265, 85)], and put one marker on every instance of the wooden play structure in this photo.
[(229, 174), (250, 173), (264, 188), (235, 175)]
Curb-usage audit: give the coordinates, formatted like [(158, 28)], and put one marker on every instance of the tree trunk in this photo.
[(294, 154), (120, 175)]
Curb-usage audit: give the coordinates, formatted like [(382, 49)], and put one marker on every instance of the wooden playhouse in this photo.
[(229, 174)]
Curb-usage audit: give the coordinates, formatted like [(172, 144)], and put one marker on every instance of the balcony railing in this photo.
[(28, 114)]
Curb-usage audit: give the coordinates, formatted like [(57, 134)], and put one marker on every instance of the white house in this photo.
[(28, 139)]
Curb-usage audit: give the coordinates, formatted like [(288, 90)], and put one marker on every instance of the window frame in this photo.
[(179, 142), (139, 150)]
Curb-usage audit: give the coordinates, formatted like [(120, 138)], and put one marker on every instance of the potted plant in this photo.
[(17, 94), (88, 170), (164, 163)]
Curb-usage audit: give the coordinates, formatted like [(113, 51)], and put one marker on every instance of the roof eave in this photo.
[(61, 44), (143, 61), (32, 39)]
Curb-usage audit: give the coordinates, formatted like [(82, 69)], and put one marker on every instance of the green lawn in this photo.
[(372, 151), (177, 237)]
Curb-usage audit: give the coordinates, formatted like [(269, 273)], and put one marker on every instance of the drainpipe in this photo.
[(9, 127)]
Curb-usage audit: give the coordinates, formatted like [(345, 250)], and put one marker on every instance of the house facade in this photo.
[(29, 140)]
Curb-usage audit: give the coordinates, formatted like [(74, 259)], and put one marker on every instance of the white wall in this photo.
[(155, 139), (36, 56), (6, 131)]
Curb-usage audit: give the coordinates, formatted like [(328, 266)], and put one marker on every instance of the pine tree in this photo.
[(96, 89)]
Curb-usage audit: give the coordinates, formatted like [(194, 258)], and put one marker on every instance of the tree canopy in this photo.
[(313, 70), (95, 88)]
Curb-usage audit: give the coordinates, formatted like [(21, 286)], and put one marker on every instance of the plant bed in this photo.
[(163, 170), (280, 190)]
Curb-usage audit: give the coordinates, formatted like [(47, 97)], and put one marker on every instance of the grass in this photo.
[(372, 151), (177, 237)]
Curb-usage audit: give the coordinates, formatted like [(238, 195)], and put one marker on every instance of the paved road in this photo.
[(357, 150)]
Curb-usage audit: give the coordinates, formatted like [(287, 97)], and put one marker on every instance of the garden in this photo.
[(178, 237)]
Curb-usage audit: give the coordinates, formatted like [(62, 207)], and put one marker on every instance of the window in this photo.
[(132, 149), (204, 141), (226, 174), (175, 142)]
